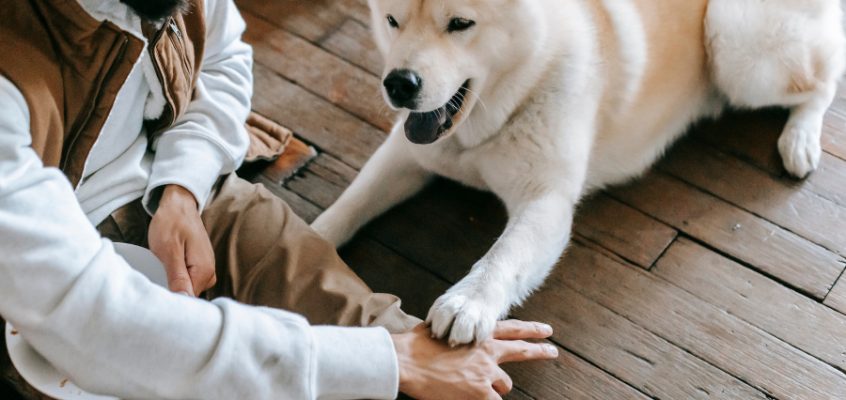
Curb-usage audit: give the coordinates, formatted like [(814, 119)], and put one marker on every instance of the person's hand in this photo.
[(431, 370), (179, 239)]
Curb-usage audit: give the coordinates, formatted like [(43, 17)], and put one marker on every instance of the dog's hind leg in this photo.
[(388, 178), (780, 53)]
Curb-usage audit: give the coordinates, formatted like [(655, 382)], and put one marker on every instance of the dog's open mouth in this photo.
[(427, 127)]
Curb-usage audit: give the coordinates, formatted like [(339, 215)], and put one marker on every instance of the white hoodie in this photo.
[(111, 330)]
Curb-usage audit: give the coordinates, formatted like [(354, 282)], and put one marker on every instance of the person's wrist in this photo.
[(177, 196), (402, 348)]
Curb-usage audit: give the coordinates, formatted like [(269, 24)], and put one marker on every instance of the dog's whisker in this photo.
[(480, 99)]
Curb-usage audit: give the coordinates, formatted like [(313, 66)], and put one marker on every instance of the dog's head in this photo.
[(440, 55)]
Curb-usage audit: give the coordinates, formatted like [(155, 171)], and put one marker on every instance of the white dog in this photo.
[(543, 101)]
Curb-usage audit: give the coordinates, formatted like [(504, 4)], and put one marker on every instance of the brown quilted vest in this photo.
[(69, 68)]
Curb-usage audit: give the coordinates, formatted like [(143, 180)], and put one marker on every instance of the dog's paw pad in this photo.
[(800, 150)]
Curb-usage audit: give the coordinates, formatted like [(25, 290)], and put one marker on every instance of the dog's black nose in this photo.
[(403, 86)]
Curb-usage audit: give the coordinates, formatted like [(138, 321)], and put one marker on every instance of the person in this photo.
[(123, 120)]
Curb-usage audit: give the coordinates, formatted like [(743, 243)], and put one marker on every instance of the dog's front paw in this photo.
[(800, 150), (465, 318)]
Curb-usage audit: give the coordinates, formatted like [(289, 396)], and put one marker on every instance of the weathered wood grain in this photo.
[(760, 243), (744, 351), (314, 189), (787, 204), (322, 124), (837, 297), (751, 135), (628, 351), (337, 81), (311, 19), (322, 181), (827, 181), (353, 42), (468, 222), (756, 299), (332, 170), (622, 229), (834, 125), (387, 272), (434, 231), (517, 394), (568, 377)]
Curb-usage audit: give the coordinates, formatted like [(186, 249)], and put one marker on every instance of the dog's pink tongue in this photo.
[(424, 128)]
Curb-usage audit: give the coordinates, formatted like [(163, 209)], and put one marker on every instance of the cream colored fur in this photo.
[(569, 96)]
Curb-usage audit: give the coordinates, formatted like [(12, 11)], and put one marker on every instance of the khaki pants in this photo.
[(267, 256)]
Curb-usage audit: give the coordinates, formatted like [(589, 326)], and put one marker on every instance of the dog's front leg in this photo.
[(389, 177), (537, 232)]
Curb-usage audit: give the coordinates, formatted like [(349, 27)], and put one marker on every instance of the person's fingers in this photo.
[(517, 330), (502, 384), (518, 350), (172, 256), (202, 277), (199, 258), (492, 395)]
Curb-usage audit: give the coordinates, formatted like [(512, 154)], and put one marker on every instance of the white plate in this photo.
[(39, 372)]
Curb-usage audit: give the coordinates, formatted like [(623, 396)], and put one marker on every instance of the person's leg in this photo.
[(267, 256)]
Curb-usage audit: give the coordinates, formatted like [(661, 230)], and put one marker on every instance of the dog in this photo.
[(545, 101)]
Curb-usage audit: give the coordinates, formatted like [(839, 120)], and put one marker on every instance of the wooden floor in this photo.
[(715, 276)]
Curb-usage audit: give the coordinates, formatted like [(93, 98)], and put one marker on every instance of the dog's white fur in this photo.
[(570, 96)]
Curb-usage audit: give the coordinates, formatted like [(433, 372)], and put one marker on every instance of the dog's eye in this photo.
[(392, 22), (459, 24)]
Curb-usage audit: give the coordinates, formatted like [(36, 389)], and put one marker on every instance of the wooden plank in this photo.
[(313, 119), (333, 170), (322, 181), (468, 222), (837, 297), (834, 125), (354, 42), (827, 180), (762, 244), (309, 19), (433, 240), (631, 353), (336, 80), (756, 299), (787, 204), (740, 349), (314, 189), (568, 377), (751, 135), (517, 394), (357, 9), (387, 272), (623, 230)]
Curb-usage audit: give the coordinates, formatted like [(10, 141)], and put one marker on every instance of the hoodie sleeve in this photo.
[(113, 332), (209, 140)]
